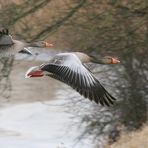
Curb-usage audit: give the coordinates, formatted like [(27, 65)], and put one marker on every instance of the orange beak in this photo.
[(114, 61), (47, 45)]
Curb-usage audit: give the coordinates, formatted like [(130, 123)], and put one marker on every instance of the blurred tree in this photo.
[(113, 27), (118, 28), (5, 84)]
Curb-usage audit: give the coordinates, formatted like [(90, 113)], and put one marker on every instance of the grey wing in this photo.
[(5, 38), (80, 79)]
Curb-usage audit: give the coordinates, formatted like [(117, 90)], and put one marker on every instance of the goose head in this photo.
[(41, 44), (105, 60)]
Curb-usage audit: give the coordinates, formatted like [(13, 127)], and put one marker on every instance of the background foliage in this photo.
[(118, 28)]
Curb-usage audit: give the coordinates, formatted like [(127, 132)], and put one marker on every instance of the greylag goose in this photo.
[(9, 46), (70, 69)]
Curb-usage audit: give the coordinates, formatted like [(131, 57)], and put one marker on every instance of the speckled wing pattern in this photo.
[(69, 69)]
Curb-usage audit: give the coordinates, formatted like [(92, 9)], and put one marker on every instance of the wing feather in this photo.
[(81, 79)]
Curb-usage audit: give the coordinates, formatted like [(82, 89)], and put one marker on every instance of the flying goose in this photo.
[(70, 69), (9, 46)]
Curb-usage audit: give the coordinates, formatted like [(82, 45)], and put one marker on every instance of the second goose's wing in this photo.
[(69, 69), (5, 38)]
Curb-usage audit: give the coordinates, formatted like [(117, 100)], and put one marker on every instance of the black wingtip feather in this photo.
[(95, 92)]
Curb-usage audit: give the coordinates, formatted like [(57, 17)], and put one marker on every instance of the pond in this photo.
[(34, 116)]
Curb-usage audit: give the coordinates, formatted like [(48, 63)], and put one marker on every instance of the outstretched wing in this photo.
[(5, 38), (70, 70)]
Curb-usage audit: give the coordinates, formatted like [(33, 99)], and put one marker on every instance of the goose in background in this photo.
[(9, 46), (70, 69)]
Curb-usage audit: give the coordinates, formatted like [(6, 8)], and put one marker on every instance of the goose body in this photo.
[(9, 46), (70, 69)]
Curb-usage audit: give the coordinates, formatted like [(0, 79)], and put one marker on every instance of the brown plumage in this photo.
[(9, 46), (69, 68)]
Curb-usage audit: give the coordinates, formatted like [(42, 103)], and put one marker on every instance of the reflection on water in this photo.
[(35, 89), (35, 116), (36, 125), (30, 90)]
